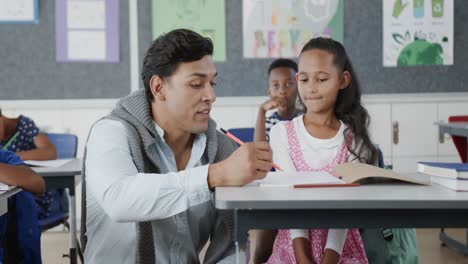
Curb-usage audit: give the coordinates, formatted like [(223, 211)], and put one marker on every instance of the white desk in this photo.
[(367, 206), (4, 199), (64, 177), (455, 129)]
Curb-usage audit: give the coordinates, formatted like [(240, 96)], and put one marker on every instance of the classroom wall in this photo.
[(73, 115), (29, 70), (77, 116)]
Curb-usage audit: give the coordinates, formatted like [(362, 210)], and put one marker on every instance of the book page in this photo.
[(289, 179), (355, 172)]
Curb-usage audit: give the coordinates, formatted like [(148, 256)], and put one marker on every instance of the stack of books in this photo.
[(450, 175)]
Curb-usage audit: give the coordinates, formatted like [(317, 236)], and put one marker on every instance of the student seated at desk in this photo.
[(333, 130), (21, 135), (21, 243), (282, 90)]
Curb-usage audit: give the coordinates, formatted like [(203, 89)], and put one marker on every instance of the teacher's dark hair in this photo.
[(169, 50)]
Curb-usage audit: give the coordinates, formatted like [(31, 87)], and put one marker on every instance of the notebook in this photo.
[(444, 169), (454, 184)]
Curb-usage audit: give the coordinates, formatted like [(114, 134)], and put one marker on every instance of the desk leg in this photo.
[(71, 191), (241, 235), (452, 243)]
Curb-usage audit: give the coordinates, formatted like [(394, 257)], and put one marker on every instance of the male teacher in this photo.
[(158, 157)]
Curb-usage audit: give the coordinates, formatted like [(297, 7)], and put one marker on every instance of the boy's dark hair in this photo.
[(282, 63), (348, 106), (171, 49)]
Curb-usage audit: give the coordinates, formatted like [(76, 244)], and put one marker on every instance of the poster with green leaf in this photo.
[(417, 32), (207, 17)]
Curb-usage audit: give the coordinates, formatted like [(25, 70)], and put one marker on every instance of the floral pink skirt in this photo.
[(353, 250)]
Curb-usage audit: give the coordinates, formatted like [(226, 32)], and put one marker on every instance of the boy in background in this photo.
[(282, 89)]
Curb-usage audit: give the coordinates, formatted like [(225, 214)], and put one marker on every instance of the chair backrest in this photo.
[(460, 142), (245, 134), (65, 144), (380, 161)]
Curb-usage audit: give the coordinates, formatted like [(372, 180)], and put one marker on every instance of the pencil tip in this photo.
[(224, 131)]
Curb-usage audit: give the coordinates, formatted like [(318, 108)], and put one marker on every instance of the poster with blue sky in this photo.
[(417, 32)]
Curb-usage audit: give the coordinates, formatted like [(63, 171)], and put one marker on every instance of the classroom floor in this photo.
[(55, 244)]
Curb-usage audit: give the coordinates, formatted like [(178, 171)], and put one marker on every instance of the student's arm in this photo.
[(260, 130), (300, 238), (23, 177), (129, 196), (264, 242), (44, 150), (302, 250), (334, 247), (330, 257)]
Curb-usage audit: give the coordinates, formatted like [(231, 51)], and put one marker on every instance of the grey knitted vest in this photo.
[(134, 112)]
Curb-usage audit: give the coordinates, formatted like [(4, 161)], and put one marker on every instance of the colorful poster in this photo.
[(207, 17), (280, 28), (417, 32), (87, 31)]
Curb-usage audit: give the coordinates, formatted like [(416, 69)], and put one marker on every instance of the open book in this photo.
[(364, 173), (345, 173)]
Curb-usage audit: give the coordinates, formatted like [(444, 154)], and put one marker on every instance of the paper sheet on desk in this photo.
[(4, 187), (289, 179), (48, 163)]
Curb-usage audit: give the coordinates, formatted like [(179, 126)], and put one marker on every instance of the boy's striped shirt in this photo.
[(272, 118)]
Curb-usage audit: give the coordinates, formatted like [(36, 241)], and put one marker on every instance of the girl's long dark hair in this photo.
[(348, 106)]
